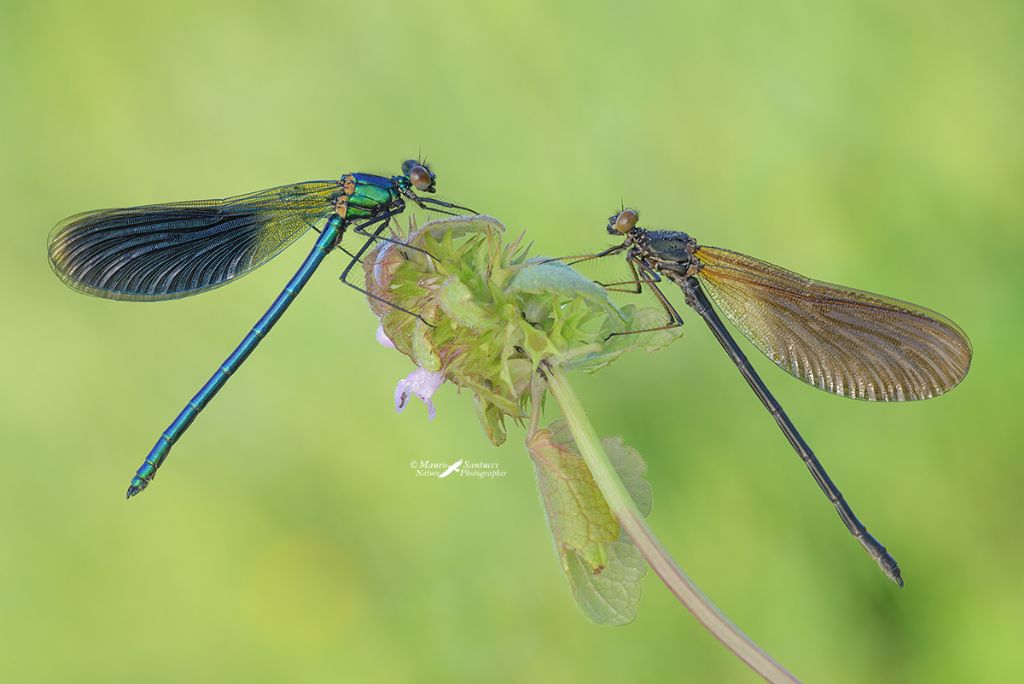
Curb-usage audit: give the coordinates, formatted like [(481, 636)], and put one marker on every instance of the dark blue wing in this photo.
[(167, 251)]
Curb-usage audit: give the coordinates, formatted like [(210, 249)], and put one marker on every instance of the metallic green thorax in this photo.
[(370, 194)]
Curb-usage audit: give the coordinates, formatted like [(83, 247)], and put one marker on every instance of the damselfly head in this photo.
[(623, 222), (419, 175)]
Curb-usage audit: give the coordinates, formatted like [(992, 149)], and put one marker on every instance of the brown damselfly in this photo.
[(845, 341)]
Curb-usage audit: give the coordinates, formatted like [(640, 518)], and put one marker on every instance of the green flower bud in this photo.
[(487, 315)]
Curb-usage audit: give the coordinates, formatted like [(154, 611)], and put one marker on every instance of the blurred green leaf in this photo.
[(603, 566)]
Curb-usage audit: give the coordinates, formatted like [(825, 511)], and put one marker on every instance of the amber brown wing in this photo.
[(845, 341)]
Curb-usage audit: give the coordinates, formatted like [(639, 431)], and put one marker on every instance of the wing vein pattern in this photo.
[(167, 251), (845, 341)]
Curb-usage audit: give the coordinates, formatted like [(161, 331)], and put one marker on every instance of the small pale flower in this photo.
[(422, 384)]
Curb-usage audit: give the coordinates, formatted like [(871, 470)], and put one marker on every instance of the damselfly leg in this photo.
[(384, 222)]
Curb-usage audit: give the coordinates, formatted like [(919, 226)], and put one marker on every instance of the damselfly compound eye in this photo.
[(626, 221), (420, 178)]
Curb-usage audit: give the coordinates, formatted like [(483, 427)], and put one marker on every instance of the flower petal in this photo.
[(422, 384)]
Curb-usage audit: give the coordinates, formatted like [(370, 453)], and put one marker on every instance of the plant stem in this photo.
[(636, 527)]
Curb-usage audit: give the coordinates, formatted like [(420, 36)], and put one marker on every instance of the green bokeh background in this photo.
[(288, 540)]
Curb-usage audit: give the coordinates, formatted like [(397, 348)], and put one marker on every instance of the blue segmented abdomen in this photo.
[(329, 238)]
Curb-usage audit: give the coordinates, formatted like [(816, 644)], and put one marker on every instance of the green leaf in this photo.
[(616, 346), (541, 277), (603, 566), (610, 597)]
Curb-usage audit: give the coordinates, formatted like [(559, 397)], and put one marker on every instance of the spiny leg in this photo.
[(636, 282), (371, 238), (438, 211), (361, 230), (580, 258), (423, 203), (615, 287), (675, 320), (350, 255)]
